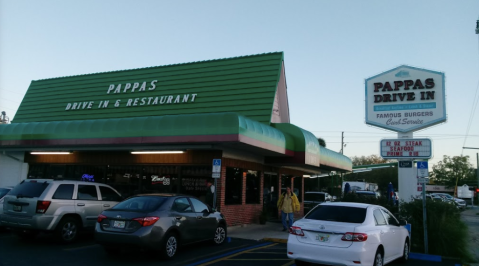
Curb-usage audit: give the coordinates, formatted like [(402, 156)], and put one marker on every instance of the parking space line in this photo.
[(80, 248), (214, 253), (266, 252), (259, 259), (266, 245)]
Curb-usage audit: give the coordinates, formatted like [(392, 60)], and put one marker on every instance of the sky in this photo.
[(330, 48)]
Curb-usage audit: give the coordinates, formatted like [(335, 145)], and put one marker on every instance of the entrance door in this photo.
[(270, 194)]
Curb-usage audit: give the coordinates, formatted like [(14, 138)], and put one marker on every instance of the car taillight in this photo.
[(101, 217), (294, 230), (42, 206), (147, 221), (355, 237)]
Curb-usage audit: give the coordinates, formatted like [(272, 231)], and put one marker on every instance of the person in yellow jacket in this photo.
[(288, 203)]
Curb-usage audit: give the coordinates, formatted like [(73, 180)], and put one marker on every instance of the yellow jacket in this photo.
[(294, 201)]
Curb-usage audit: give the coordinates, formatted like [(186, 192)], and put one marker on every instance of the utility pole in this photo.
[(342, 142), (477, 154)]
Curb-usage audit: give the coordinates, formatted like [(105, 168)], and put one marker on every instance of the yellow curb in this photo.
[(275, 240)]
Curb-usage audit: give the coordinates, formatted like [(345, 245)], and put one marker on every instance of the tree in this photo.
[(368, 160), (452, 170)]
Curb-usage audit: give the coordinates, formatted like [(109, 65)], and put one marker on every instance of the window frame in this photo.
[(58, 187), (190, 204)]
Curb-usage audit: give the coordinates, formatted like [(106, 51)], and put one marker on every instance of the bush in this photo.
[(381, 201), (447, 234)]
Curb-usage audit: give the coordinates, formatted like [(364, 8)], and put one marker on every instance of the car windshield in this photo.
[(29, 189), (314, 196), (344, 214), (140, 204), (3, 192)]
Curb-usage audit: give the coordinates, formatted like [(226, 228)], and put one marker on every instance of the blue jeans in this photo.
[(283, 219)]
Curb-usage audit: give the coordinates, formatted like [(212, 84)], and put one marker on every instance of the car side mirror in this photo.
[(402, 222), (334, 198)]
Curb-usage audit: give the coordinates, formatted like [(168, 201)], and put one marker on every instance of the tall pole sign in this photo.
[(406, 99), (216, 173)]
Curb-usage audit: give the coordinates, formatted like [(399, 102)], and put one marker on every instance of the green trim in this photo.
[(300, 140), (335, 160)]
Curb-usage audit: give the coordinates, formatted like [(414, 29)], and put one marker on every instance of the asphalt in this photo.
[(471, 218)]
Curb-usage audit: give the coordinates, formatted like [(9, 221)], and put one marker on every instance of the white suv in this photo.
[(62, 207)]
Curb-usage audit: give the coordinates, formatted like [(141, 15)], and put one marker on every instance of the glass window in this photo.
[(198, 205), (140, 204), (390, 218), (314, 196), (109, 194), (253, 184), (181, 205), (342, 214), (234, 185), (87, 192), (64, 191), (29, 189), (298, 187), (378, 216), (36, 171)]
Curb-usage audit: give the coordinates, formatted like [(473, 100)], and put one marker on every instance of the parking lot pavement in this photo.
[(44, 250)]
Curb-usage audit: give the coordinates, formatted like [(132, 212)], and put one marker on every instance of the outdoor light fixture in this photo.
[(156, 152), (50, 152)]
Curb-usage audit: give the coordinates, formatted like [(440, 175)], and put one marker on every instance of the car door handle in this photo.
[(382, 232), (199, 217), (81, 204), (106, 205), (178, 218)]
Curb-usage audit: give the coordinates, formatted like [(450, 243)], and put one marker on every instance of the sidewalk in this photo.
[(271, 231)]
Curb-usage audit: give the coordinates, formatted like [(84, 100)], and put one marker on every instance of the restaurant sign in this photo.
[(406, 148), (405, 99)]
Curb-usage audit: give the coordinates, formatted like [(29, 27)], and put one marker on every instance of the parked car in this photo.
[(312, 198), (461, 204), (159, 222), (434, 197), (344, 233), (61, 207), (3, 192)]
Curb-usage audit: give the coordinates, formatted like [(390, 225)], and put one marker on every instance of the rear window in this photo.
[(314, 197), (140, 204), (3, 192), (29, 189), (343, 214)]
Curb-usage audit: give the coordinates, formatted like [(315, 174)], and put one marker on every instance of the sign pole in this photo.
[(424, 217), (214, 194)]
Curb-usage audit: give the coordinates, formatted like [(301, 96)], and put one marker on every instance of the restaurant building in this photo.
[(158, 129)]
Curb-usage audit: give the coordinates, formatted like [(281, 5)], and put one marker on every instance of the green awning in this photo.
[(199, 128), (335, 161)]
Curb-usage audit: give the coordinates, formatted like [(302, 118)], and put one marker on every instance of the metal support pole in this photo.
[(424, 217), (214, 194)]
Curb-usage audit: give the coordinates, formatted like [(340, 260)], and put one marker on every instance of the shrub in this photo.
[(447, 234), (381, 201)]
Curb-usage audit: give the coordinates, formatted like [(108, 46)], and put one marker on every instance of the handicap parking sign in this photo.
[(422, 169)]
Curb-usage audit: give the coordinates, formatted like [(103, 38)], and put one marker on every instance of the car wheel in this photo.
[(170, 246), (26, 234), (405, 254), (301, 263), (378, 259), (67, 230), (220, 235)]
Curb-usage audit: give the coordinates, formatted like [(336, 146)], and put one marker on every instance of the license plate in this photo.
[(17, 208), (322, 238), (119, 224)]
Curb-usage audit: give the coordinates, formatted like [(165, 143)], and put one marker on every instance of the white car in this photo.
[(345, 233)]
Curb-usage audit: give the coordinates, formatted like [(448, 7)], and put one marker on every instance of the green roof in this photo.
[(244, 85)]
